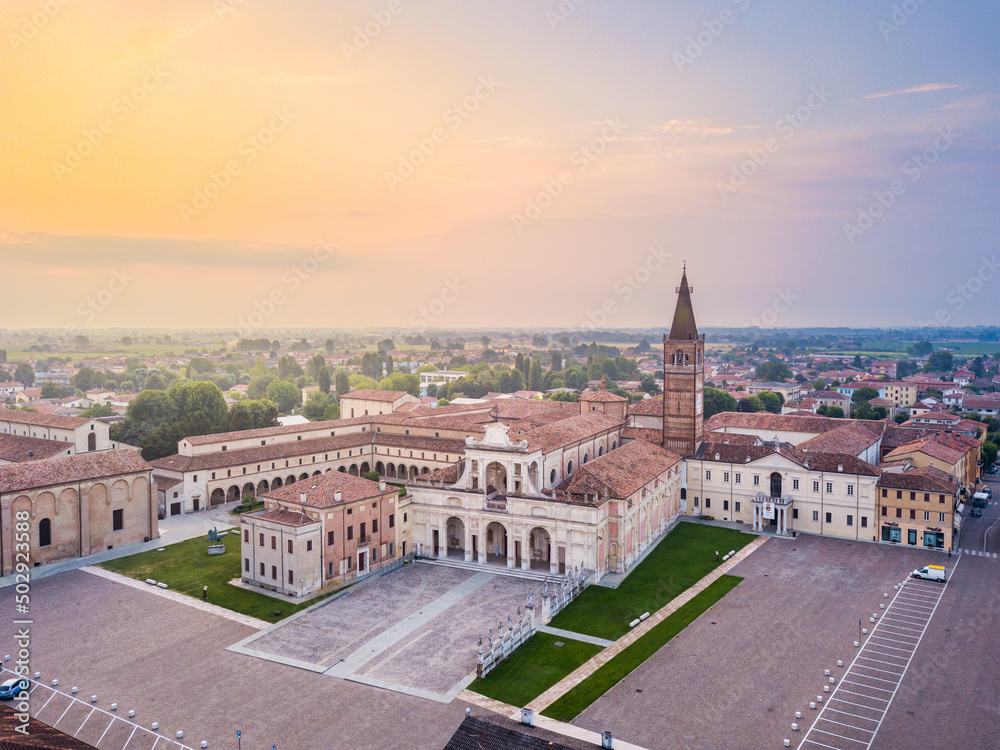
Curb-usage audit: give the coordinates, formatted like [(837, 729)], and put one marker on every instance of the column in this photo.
[(481, 543), (467, 541), (443, 538), (525, 551), (510, 542)]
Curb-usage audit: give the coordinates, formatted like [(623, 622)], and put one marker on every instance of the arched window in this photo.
[(586, 457), (44, 532), (569, 468), (684, 493), (552, 477)]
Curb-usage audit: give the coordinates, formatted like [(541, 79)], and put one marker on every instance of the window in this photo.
[(795, 513), (350, 511), (829, 518), (850, 520), (117, 520), (864, 522), (795, 484), (329, 537), (815, 515), (899, 494), (927, 497), (829, 486), (291, 577), (246, 564), (361, 530), (850, 489), (392, 520), (737, 506), (756, 480), (289, 546), (350, 532), (696, 501), (404, 518), (913, 514), (274, 573), (246, 535), (274, 542), (725, 505), (309, 545), (911, 536), (739, 477), (329, 568), (815, 486), (941, 500), (374, 525), (885, 511), (940, 517), (262, 570), (885, 493), (708, 473), (262, 540), (725, 476), (899, 512), (927, 515), (44, 532)]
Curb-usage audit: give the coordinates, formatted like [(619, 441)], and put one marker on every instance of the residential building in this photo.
[(917, 508), (369, 401)]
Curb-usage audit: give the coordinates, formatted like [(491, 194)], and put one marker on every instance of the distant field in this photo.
[(897, 348)]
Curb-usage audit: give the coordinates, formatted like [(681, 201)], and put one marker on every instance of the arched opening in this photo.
[(456, 538), (552, 477), (496, 478), (365, 467), (92, 441), (380, 468), (248, 489), (44, 532), (390, 471), (342, 469), (414, 473), (496, 544), (317, 473), (233, 494), (569, 468), (776, 484), (586, 457), (290, 479), (425, 470), (600, 451), (218, 497), (541, 548), (276, 483), (353, 471), (614, 445), (262, 487), (533, 473), (303, 475)]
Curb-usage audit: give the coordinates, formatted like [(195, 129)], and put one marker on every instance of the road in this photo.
[(983, 534)]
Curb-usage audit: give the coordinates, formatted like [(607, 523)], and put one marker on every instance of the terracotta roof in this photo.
[(851, 438), (284, 517), (266, 432), (567, 431), (924, 479), (944, 447), (165, 483), (320, 490), (649, 434), (620, 473), (41, 420), (500, 733), (601, 396), (18, 448), (67, 469), (764, 420), (372, 394), (817, 461), (683, 326), (649, 407)]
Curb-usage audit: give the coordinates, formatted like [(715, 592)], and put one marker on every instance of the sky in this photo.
[(518, 163)]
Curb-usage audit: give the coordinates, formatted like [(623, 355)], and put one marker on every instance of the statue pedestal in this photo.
[(216, 549)]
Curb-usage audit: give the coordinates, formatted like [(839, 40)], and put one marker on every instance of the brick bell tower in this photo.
[(683, 377)]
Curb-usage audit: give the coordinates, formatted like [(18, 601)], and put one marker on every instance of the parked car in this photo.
[(930, 573), (12, 687), (977, 512)]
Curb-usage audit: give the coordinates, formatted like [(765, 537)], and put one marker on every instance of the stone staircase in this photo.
[(530, 575)]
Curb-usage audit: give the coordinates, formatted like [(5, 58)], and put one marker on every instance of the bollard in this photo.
[(156, 725), (131, 713), (826, 688), (826, 672), (6, 657), (204, 743), (37, 675), (833, 680), (855, 644), (881, 606), (55, 683), (93, 699), (840, 662), (798, 714), (819, 698), (885, 596), (114, 706), (812, 704), (795, 727), (73, 691), (180, 734), (788, 743)]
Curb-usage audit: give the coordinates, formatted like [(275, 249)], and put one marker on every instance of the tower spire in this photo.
[(684, 326)]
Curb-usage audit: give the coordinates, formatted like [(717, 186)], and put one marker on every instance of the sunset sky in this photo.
[(507, 164)]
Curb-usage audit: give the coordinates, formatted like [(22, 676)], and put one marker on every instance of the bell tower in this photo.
[(683, 377)]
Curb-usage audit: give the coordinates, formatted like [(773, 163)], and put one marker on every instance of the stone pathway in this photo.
[(588, 668), (574, 636), (184, 599)]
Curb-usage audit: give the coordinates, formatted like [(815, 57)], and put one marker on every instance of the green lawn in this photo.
[(534, 668), (681, 559), (187, 566), (606, 677)]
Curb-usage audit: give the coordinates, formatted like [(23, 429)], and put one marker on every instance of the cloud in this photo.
[(921, 89), (695, 127), (517, 141)]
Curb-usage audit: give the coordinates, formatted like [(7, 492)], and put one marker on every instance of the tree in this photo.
[(331, 412), (25, 375), (314, 365), (126, 340), (51, 390), (443, 402), (866, 393), (286, 396), (940, 361), (485, 340), (772, 401), (372, 476), (343, 382), (386, 345), (102, 410), (920, 348), (490, 356), (772, 371), (257, 387), (749, 404), (251, 414), (535, 376), (856, 362), (717, 401), (329, 346), (905, 367), (81, 340), (315, 406), (323, 379), (288, 368), (557, 362), (988, 453), (401, 381), (200, 364)]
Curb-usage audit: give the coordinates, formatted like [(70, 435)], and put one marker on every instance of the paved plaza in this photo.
[(415, 630)]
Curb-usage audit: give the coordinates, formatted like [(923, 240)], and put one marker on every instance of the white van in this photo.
[(930, 573)]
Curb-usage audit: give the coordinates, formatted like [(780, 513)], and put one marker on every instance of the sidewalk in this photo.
[(172, 530)]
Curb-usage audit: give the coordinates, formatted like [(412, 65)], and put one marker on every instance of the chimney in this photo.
[(338, 496), (381, 486), (302, 498)]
